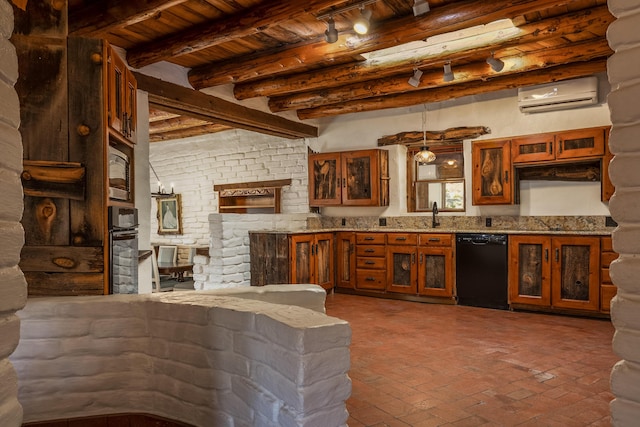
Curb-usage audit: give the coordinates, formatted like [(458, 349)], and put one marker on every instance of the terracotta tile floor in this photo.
[(415, 364)]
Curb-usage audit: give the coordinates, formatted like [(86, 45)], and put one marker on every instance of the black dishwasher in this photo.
[(481, 270)]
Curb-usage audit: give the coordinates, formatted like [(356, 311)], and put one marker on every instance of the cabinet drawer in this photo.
[(370, 238), (606, 245), (607, 292), (402, 238), (605, 279), (370, 263), (373, 250), (371, 279), (436, 240), (607, 257)]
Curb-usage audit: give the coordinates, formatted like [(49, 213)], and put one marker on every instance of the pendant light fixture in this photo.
[(424, 155)]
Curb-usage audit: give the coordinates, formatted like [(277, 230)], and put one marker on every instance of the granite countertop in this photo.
[(553, 225)]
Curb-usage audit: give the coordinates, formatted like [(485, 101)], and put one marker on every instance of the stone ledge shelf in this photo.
[(224, 357)]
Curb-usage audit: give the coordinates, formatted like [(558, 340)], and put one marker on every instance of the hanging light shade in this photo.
[(424, 155), (361, 24), (331, 35)]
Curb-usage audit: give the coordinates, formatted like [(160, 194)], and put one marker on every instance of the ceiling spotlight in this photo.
[(420, 7), (448, 74), (496, 64), (361, 24), (415, 79), (331, 35)]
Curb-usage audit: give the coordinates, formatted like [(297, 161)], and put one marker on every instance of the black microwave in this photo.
[(119, 175)]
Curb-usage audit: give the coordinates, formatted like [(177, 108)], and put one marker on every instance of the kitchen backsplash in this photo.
[(466, 223)]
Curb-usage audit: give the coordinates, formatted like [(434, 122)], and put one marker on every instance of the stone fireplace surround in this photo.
[(225, 358)]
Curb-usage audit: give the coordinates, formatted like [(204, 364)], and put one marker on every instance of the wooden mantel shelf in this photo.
[(250, 197)]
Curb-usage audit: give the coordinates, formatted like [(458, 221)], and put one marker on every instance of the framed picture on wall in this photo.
[(169, 215)]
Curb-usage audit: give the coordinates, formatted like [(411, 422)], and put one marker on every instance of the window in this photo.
[(441, 181)]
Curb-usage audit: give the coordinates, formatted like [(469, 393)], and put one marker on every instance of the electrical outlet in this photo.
[(487, 222), (382, 222), (610, 222), (344, 222)]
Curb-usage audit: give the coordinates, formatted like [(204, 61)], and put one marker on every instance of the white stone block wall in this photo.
[(13, 288), (197, 357), (624, 75), (229, 259), (195, 165)]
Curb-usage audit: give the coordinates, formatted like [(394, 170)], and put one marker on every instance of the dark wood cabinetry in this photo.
[(350, 178), (492, 173), (269, 254), (555, 272)]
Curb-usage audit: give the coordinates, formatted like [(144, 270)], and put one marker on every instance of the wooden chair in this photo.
[(162, 283)]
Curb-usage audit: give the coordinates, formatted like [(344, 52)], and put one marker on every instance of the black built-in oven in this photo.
[(123, 250)]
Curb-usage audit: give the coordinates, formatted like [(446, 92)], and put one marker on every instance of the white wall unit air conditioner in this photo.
[(561, 95)]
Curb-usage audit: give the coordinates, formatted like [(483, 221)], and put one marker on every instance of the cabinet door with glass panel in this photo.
[(440, 182)]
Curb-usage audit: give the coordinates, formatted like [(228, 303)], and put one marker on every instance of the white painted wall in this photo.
[(13, 288)]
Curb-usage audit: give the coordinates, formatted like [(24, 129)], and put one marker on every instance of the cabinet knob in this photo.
[(83, 130), (96, 58)]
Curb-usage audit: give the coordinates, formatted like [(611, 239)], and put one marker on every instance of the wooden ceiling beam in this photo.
[(477, 71), (100, 17), (456, 16), (175, 123), (242, 24), (592, 20), (187, 132), (184, 101), (454, 91)]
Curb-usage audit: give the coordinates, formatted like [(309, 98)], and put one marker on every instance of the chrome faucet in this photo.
[(435, 212)]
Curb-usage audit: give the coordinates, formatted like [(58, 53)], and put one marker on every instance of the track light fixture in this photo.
[(415, 79), (361, 24), (448, 74), (331, 35), (496, 64), (420, 7)]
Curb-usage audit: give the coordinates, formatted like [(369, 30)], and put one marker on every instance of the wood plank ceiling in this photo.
[(277, 49)]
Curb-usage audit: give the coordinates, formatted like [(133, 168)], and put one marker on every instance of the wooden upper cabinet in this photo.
[(351, 178), (569, 145), (121, 97), (492, 172), (325, 178), (533, 148)]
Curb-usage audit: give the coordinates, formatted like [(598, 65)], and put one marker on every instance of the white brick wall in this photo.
[(229, 263), (219, 360), (624, 75), (228, 157), (12, 284)]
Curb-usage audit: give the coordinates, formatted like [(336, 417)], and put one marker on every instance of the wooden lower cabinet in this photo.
[(555, 272), (311, 259), (402, 271), (371, 271), (436, 266), (607, 289), (345, 259)]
